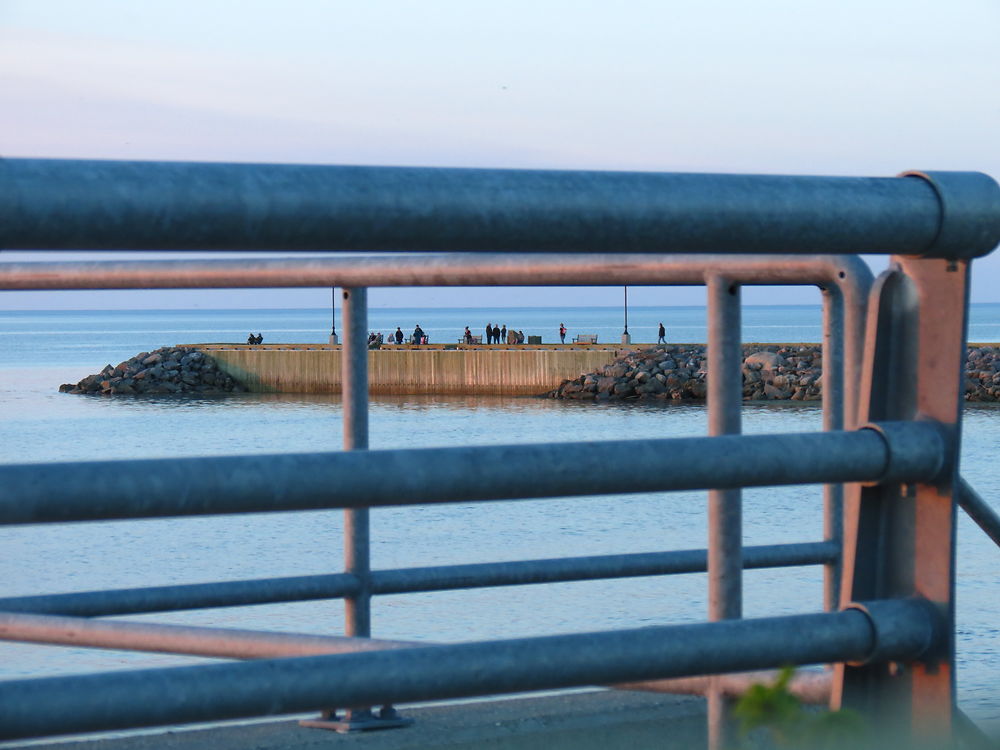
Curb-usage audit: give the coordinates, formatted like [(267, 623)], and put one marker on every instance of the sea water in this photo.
[(40, 350)]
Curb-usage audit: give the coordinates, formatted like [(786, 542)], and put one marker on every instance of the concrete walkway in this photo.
[(602, 719)]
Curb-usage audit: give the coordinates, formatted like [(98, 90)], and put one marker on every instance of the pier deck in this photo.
[(597, 719)]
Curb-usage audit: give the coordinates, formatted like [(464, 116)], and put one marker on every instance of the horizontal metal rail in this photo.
[(453, 269), (406, 580), (35, 493), (899, 630), (116, 205), (450, 577), (979, 510), (186, 596), (221, 643)]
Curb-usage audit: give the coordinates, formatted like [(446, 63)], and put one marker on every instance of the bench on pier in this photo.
[(585, 338), (475, 339)]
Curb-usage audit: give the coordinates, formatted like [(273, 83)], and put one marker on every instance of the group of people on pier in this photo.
[(397, 337), (498, 335), (494, 334)]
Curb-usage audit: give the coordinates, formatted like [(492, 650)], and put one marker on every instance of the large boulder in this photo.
[(765, 361), (606, 384)]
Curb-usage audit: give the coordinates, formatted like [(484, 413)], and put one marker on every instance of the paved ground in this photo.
[(578, 721)]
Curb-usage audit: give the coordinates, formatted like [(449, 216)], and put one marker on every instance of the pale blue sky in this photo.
[(729, 86)]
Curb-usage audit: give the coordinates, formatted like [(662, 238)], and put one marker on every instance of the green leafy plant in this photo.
[(774, 711)]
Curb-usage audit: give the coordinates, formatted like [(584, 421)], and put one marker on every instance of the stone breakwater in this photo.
[(982, 374), (770, 373), (175, 369), (789, 372), (679, 373)]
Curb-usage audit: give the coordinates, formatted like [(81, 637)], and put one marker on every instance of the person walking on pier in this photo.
[(662, 335), (562, 333)]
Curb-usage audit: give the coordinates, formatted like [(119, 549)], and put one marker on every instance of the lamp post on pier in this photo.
[(626, 338), (333, 326)]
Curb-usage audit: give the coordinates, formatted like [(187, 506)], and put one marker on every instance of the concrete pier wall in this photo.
[(404, 370)]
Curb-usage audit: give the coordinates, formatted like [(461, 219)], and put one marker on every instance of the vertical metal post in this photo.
[(855, 289), (900, 539), (354, 375), (725, 507), (833, 419), (357, 543)]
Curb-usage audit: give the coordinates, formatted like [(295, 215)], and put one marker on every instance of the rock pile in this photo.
[(982, 374), (174, 369), (679, 373)]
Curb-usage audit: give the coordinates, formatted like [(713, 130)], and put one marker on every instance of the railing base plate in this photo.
[(358, 720)]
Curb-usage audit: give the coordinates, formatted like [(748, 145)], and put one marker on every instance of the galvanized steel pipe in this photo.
[(437, 269), (406, 580), (357, 542), (835, 344), (521, 572), (725, 506), (186, 596), (220, 643), (979, 510), (725, 409), (61, 705), (33, 493), (119, 205)]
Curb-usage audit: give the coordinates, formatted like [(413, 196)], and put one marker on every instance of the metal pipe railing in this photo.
[(218, 643), (186, 596), (407, 580), (34, 493), (521, 572), (836, 343), (109, 205), (725, 506), (49, 204), (357, 542), (438, 269), (900, 629), (979, 510)]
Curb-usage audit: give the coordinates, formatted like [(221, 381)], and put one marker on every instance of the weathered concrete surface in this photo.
[(578, 721), (515, 371)]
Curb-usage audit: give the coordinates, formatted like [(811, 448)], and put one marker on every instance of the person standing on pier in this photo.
[(468, 335), (662, 335), (399, 336), (562, 333), (503, 334), (496, 334), (489, 333)]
